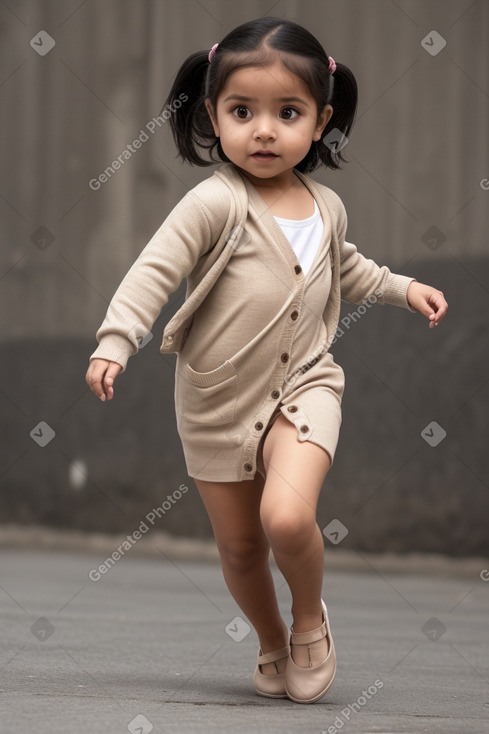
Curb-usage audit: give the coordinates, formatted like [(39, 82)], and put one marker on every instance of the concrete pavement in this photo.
[(158, 644)]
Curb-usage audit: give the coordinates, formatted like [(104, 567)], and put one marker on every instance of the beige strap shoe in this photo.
[(272, 686), (307, 685)]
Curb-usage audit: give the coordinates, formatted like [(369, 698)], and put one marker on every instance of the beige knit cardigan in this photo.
[(195, 242)]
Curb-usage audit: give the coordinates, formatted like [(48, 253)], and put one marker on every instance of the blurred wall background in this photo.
[(416, 191)]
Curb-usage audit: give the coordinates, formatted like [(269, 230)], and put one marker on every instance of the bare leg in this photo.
[(295, 475), (234, 512)]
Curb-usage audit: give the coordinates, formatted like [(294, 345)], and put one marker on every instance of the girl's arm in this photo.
[(361, 277), (187, 233)]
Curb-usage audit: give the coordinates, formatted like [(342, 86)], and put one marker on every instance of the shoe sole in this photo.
[(271, 695)]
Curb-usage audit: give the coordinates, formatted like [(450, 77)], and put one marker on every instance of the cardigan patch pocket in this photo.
[(213, 394)]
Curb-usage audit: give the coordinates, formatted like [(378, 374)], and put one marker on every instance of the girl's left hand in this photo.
[(428, 301)]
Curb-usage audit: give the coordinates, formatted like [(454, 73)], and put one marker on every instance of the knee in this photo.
[(241, 555), (288, 531)]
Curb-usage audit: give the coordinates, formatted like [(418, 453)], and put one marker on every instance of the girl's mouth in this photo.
[(264, 156)]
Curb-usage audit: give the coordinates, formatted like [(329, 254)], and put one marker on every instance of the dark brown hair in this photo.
[(259, 43)]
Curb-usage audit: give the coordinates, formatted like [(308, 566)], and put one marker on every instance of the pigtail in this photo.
[(344, 101), (189, 121)]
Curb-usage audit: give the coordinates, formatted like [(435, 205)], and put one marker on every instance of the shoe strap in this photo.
[(271, 657), (305, 638)]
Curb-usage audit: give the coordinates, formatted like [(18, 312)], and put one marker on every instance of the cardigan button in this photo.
[(297, 269), (169, 338), (248, 467), (292, 408), (304, 429), (294, 315), (275, 394), (259, 426), (284, 357)]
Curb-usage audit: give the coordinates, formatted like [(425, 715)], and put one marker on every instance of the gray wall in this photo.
[(418, 160)]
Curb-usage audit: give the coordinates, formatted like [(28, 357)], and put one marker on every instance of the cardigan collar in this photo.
[(229, 170)]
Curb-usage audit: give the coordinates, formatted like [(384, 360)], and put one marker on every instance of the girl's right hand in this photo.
[(101, 375)]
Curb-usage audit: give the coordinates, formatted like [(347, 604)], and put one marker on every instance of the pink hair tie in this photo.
[(212, 52), (332, 64)]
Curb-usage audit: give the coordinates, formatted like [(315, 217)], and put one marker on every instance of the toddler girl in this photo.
[(257, 392)]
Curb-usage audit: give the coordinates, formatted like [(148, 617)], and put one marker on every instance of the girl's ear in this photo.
[(210, 110), (323, 120)]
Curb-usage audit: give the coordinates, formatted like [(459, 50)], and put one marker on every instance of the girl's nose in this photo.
[(264, 129)]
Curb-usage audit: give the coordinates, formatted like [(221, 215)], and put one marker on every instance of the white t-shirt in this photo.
[(304, 236)]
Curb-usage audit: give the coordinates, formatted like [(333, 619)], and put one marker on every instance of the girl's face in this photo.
[(267, 109)]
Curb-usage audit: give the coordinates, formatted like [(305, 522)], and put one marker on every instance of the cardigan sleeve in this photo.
[(187, 233), (361, 277)]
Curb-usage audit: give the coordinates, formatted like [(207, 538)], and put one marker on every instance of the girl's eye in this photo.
[(288, 110), (240, 109), (288, 113)]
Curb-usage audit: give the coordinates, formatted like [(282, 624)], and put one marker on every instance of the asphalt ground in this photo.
[(158, 644)]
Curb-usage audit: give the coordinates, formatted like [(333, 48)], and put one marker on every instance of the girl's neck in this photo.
[(276, 184), (293, 201)]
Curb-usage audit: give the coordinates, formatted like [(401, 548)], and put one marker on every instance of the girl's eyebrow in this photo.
[(242, 98)]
